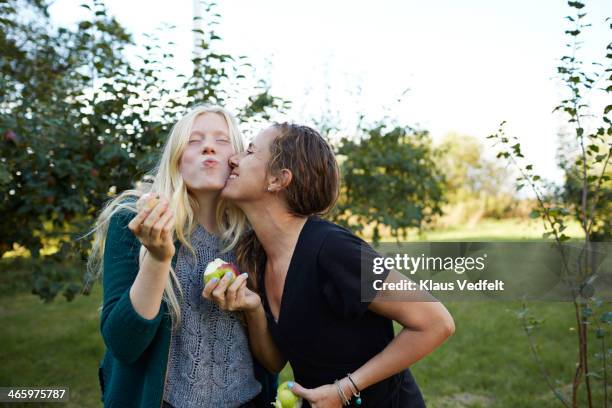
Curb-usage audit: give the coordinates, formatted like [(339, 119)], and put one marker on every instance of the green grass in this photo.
[(511, 229), (56, 344), (487, 363)]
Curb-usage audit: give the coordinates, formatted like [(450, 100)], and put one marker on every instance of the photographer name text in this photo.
[(430, 285)]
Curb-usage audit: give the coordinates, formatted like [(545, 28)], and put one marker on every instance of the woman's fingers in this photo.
[(300, 391)]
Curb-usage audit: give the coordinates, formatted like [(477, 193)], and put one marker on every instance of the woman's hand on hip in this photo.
[(154, 227), (234, 296)]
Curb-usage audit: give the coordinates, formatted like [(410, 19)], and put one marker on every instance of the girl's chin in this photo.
[(207, 188)]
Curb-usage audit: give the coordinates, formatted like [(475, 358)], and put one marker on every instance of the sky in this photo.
[(441, 65)]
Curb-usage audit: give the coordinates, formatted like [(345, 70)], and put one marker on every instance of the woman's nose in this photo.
[(233, 161)]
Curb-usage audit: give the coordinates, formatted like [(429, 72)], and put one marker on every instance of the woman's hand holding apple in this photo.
[(325, 396)]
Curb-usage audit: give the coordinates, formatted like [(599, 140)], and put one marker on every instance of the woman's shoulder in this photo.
[(327, 227), (332, 237)]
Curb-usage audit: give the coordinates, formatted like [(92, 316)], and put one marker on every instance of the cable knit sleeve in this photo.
[(126, 333)]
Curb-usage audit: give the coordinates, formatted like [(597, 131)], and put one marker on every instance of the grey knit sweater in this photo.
[(210, 363)]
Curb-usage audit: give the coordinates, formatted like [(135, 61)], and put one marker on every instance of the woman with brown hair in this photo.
[(307, 272)]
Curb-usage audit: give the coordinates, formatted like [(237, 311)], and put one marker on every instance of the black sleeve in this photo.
[(346, 264)]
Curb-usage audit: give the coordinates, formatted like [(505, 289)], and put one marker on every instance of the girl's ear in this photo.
[(280, 181)]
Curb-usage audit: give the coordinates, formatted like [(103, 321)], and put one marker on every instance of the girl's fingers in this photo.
[(152, 219), (208, 289), (233, 288), (158, 228), (168, 228), (136, 224), (236, 296), (219, 294)]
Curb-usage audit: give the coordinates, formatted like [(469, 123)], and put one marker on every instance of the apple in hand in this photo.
[(285, 398), (218, 268), (147, 201)]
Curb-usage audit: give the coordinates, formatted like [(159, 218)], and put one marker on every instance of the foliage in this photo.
[(588, 183), (390, 177), (466, 170), (80, 121)]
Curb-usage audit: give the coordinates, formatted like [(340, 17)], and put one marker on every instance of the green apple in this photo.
[(283, 386), (287, 398)]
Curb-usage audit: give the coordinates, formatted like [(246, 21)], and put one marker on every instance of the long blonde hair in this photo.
[(168, 182)]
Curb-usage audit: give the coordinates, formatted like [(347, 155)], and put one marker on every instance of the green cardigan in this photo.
[(132, 372)]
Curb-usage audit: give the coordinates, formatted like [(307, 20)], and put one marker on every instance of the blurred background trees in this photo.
[(80, 121), (84, 112)]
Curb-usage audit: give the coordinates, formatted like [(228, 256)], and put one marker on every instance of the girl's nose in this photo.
[(207, 146)]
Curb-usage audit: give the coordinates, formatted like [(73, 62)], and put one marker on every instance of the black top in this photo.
[(324, 329)]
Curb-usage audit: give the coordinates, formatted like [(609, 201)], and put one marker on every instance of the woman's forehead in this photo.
[(264, 137)]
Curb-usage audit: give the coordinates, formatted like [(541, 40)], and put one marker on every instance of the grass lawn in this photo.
[(487, 363)]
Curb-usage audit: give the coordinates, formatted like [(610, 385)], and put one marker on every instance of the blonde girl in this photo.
[(166, 345)]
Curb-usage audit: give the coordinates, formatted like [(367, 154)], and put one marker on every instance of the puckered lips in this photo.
[(210, 162)]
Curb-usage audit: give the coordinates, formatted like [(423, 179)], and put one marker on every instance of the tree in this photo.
[(80, 122), (588, 183), (390, 177)]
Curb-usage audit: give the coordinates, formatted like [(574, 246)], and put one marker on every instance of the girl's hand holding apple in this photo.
[(229, 290), (153, 226)]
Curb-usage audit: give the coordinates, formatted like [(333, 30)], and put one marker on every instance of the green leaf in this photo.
[(575, 4)]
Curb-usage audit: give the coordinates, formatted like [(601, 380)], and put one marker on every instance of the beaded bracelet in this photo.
[(343, 398), (357, 393)]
